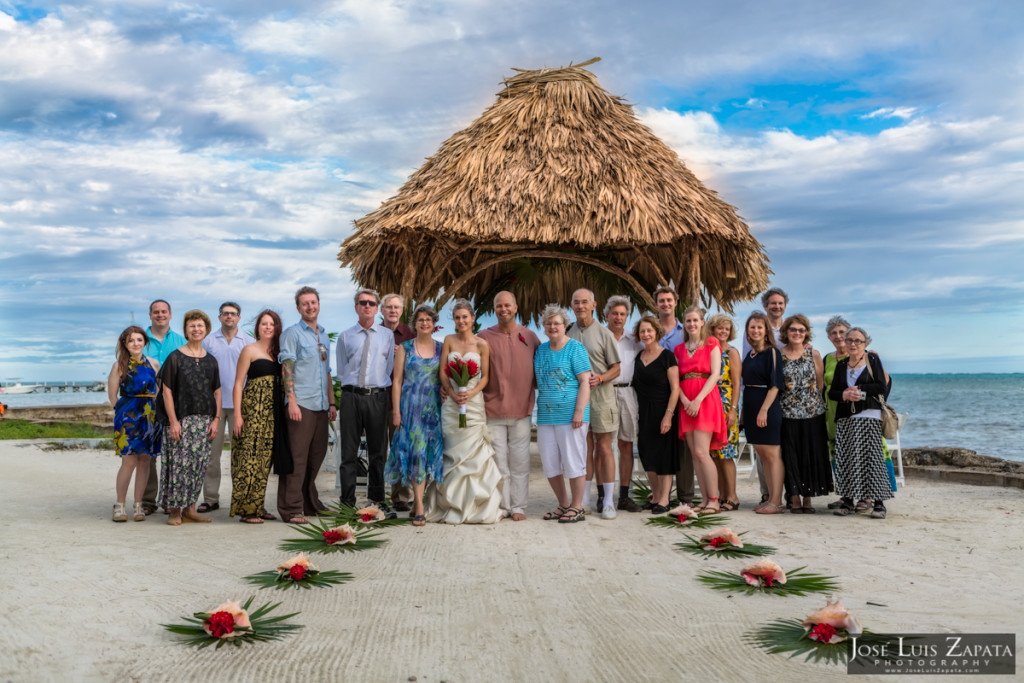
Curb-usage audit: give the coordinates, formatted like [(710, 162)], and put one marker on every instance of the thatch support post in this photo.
[(461, 281)]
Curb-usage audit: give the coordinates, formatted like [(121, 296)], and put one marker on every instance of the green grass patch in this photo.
[(23, 429)]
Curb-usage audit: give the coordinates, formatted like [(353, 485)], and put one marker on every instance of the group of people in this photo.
[(447, 424)]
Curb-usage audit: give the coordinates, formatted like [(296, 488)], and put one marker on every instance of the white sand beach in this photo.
[(530, 601)]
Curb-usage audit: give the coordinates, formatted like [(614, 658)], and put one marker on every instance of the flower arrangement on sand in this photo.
[(340, 514), (765, 576), (821, 636), (684, 515), (298, 572), (327, 537), (723, 542), (232, 623)]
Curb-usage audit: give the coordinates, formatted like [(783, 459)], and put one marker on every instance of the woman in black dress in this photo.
[(762, 414), (656, 383)]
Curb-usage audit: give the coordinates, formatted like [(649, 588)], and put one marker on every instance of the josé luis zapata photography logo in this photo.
[(932, 653)]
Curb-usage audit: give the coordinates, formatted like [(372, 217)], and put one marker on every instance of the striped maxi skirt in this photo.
[(860, 462)]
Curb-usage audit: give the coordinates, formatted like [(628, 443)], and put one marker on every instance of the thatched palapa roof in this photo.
[(556, 186)]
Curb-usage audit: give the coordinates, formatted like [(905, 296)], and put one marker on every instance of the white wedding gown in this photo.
[(471, 490)]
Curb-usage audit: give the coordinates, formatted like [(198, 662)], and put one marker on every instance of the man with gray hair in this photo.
[(616, 312), (603, 351), (508, 401), (391, 307), (366, 359)]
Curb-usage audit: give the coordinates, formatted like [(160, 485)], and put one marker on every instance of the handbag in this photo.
[(890, 419)]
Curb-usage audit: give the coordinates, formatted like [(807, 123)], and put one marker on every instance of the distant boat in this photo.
[(19, 388)]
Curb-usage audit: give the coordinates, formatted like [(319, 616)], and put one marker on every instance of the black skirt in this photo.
[(805, 456)]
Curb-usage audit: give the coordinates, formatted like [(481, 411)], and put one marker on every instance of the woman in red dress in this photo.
[(701, 418)]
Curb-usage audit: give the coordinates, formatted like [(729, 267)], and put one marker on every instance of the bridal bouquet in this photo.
[(461, 371)]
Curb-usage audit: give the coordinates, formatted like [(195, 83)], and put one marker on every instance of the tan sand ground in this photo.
[(530, 601)]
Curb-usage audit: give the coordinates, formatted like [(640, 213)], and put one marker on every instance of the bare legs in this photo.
[(707, 476), (139, 464), (417, 502), (771, 460), (574, 498), (726, 470), (625, 462)]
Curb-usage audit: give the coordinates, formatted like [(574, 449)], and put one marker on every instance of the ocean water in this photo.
[(982, 412)]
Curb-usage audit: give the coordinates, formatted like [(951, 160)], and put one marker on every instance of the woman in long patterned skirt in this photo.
[(259, 427), (191, 396), (859, 381)]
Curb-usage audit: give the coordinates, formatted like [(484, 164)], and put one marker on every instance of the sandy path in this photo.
[(600, 600)]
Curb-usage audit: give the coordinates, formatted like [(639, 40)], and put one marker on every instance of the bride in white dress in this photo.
[(471, 490)]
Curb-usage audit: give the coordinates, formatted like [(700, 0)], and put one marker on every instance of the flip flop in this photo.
[(251, 519), (208, 507)]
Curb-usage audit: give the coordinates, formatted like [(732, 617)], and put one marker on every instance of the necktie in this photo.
[(364, 362)]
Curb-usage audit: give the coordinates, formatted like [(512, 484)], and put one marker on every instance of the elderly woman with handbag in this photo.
[(860, 387)]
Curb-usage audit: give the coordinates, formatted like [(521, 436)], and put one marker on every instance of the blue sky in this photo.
[(209, 151)]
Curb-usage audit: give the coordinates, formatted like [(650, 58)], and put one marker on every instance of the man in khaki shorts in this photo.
[(603, 351), (616, 312)]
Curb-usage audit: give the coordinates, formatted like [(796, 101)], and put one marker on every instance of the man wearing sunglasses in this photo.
[(366, 357), (307, 383)]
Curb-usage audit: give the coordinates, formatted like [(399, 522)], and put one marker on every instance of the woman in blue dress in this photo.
[(418, 446), (137, 434)]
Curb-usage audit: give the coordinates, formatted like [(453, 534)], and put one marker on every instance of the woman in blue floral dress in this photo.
[(137, 434), (418, 446)]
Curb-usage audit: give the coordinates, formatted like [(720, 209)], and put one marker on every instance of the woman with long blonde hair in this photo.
[(701, 418)]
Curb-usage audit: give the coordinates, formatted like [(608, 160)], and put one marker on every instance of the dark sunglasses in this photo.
[(367, 302)]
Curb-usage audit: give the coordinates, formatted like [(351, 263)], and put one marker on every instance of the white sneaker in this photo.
[(609, 511)]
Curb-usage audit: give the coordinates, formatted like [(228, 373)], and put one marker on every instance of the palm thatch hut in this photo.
[(556, 186)]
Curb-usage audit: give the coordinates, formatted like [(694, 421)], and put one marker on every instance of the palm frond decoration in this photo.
[(283, 580), (699, 522), (797, 582), (234, 625), (324, 536), (697, 547), (789, 636), (641, 492), (346, 514)]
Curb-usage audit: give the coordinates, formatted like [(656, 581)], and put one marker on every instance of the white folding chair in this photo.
[(897, 452)]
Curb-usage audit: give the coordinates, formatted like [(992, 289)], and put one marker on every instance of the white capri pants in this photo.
[(563, 448)]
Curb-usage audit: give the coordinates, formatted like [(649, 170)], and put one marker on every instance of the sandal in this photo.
[(138, 514), (251, 519), (419, 520), (297, 520), (119, 515), (208, 507), (730, 506), (557, 513), (769, 509), (878, 512), (809, 510), (709, 508), (268, 517), (862, 506), (572, 515)]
